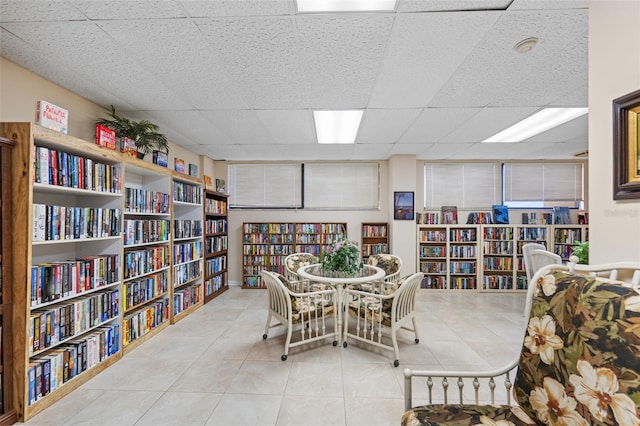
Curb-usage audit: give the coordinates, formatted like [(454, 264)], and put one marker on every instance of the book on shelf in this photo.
[(178, 165), (583, 218), (561, 215), (105, 137), (428, 218), (220, 186), (535, 218), (450, 215), (52, 116), (160, 158), (128, 146), (479, 218), (501, 214)]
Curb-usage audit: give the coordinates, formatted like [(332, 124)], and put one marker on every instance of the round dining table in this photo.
[(315, 273)]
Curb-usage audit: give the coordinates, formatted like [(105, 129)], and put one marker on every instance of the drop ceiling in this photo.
[(237, 80)]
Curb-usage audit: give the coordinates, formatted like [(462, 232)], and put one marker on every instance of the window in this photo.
[(543, 184), (341, 186), (265, 185), (470, 186)]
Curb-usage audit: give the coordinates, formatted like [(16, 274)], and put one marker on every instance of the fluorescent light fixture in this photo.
[(337, 126), (539, 122), (319, 6)]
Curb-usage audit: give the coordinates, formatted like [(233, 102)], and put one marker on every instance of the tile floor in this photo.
[(214, 368)]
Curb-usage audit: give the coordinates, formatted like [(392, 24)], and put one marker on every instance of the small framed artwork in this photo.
[(403, 205), (626, 146), (220, 186)]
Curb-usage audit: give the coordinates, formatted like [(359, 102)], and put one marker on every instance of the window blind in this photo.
[(341, 186), (541, 182), (265, 185), (471, 186)]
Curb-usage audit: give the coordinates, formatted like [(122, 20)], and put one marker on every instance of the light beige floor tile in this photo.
[(207, 376), (62, 411), (371, 381), (116, 408), (244, 410), (319, 379), (373, 411), (181, 409), (139, 374), (261, 377), (311, 411)]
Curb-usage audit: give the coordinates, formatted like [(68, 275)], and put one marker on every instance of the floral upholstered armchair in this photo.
[(295, 261), (390, 263), (579, 365)]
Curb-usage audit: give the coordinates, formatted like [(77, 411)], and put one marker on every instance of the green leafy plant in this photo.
[(342, 256), (582, 252), (144, 133)]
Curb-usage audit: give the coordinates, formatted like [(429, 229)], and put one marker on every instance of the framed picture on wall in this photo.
[(403, 205), (626, 148)]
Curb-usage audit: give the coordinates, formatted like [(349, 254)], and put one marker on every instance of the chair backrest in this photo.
[(581, 349), (536, 256), (389, 262), (404, 302), (295, 261), (279, 297)]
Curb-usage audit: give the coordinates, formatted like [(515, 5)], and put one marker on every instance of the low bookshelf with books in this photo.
[(375, 239), (267, 244), (215, 244)]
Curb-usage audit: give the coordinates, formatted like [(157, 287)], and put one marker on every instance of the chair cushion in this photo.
[(580, 361), (465, 415), (384, 261)]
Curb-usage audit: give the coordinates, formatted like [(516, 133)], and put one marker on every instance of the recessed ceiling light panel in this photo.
[(320, 6), (337, 127)]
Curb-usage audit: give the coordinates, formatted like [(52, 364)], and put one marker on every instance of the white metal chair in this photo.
[(315, 312), (390, 263), (536, 256), (373, 311)]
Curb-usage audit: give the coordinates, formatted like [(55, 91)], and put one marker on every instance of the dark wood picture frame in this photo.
[(403, 208), (626, 146)]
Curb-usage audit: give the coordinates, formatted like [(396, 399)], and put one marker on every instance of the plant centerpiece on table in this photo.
[(342, 258), (581, 250), (143, 133)]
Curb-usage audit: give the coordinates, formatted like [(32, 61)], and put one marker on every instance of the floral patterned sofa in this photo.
[(579, 364)]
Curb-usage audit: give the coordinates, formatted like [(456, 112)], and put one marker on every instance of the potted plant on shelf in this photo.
[(143, 133)]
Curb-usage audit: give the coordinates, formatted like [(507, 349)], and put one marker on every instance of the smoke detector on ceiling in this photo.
[(526, 45)]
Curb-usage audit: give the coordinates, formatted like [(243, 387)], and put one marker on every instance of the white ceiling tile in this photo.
[(556, 4), (408, 149), (370, 152), (486, 123), (210, 9), (440, 151), (450, 5), (288, 127), (433, 124), (424, 50), (242, 126), (385, 125), (126, 9), (38, 11), (340, 56)]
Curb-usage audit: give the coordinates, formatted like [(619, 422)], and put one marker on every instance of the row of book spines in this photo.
[(144, 201), (373, 231), (369, 249), (140, 262), (498, 264), (215, 206), (498, 233), (253, 281), (214, 284), (462, 251), (49, 372), (428, 218), (534, 218), (146, 231), (186, 297), (215, 226), (185, 273), (567, 236), (433, 267), (140, 291), (215, 265), (498, 247), (50, 327), (187, 193), (462, 267), (215, 244), (57, 280), (187, 228), (54, 223), (139, 323), (434, 282), (186, 252), (293, 228), (479, 218), (59, 168)]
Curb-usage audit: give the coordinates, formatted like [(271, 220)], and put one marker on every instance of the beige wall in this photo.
[(614, 70)]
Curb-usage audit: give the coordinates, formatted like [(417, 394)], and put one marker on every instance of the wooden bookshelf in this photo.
[(187, 244), (375, 238), (8, 414), (147, 255), (215, 244), (565, 237), (266, 245), (88, 179)]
